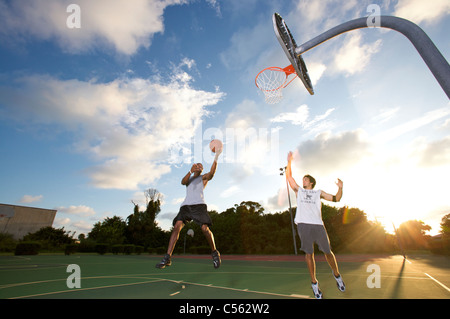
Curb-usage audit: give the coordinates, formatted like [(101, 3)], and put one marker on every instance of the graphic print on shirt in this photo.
[(308, 207), (308, 199)]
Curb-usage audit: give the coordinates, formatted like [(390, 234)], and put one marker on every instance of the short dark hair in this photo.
[(312, 180)]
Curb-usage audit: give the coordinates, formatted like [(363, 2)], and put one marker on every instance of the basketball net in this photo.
[(272, 80)]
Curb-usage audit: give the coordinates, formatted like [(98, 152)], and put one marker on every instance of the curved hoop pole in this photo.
[(433, 58)]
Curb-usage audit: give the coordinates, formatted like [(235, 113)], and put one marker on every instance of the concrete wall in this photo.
[(21, 220)]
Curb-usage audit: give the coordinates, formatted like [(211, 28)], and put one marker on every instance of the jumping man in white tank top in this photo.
[(194, 209), (310, 225)]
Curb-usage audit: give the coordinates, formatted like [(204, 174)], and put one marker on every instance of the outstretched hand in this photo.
[(290, 157), (218, 152), (340, 183)]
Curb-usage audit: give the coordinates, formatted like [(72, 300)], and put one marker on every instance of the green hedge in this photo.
[(138, 249), (101, 248), (70, 249), (128, 249), (117, 249), (27, 248)]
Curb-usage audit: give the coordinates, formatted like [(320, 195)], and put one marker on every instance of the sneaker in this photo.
[(316, 290), (216, 258), (166, 261), (340, 283)]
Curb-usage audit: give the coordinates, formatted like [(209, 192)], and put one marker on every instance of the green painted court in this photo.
[(239, 277)]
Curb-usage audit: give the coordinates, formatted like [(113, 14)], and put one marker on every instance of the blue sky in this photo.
[(90, 117)]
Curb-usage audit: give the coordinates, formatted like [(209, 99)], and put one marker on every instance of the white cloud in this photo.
[(422, 11), (433, 154), (232, 190), (126, 174), (245, 115), (280, 201), (82, 226), (127, 125), (60, 222), (445, 126), (315, 71), (216, 6), (328, 153), (313, 17), (301, 117), (354, 56), (121, 24), (31, 198), (80, 210), (412, 125), (78, 226), (385, 115), (249, 140), (348, 53)]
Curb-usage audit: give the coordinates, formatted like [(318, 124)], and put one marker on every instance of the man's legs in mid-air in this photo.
[(166, 261), (214, 252)]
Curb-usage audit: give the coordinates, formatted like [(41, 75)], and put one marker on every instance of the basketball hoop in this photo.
[(272, 80)]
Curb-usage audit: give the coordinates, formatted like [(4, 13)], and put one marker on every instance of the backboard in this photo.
[(288, 44)]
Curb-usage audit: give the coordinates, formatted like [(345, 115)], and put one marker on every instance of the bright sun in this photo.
[(393, 194)]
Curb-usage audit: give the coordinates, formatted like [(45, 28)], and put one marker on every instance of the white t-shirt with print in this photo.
[(309, 207)]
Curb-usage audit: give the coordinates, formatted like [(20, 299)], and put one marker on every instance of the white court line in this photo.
[(434, 279), (245, 290), (83, 289), (437, 281)]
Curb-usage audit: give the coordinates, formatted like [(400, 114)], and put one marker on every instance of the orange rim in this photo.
[(287, 70)]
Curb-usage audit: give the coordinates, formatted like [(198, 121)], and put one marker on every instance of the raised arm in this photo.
[(209, 176), (289, 177), (185, 179), (337, 197)]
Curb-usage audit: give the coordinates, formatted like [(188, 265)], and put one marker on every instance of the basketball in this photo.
[(215, 145)]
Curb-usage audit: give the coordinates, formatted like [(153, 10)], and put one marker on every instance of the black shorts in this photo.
[(197, 213)]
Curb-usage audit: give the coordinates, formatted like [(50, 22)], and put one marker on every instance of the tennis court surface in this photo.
[(239, 277)]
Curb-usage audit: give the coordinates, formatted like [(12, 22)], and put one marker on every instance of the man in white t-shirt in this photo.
[(311, 229)]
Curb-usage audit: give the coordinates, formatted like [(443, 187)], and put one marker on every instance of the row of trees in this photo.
[(246, 228), (139, 228)]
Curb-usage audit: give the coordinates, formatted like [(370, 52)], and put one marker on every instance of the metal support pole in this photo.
[(292, 219), (283, 170), (184, 250), (433, 58), (399, 241)]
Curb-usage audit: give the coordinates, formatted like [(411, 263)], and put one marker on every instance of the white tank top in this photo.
[(309, 207), (194, 191)]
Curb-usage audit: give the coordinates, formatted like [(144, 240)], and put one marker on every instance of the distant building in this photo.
[(21, 220)]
